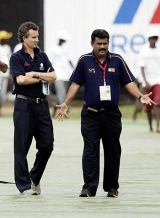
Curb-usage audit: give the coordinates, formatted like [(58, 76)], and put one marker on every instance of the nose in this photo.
[(102, 45), (37, 39)]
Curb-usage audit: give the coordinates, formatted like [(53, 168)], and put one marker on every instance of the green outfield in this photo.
[(139, 191), (75, 109)]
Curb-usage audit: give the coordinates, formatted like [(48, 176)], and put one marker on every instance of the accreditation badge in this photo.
[(105, 93), (45, 88)]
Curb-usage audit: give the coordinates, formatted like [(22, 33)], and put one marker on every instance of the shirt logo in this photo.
[(91, 70), (26, 64), (113, 70), (41, 67)]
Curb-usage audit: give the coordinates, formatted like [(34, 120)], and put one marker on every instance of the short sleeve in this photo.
[(125, 74), (78, 74), (48, 64), (16, 66)]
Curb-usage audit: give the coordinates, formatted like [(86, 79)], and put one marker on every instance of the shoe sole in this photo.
[(112, 196), (36, 193), (83, 196)]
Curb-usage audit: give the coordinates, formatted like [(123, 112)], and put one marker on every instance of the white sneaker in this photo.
[(36, 189), (27, 192)]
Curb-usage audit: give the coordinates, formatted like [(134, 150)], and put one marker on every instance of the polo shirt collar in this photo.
[(36, 50)]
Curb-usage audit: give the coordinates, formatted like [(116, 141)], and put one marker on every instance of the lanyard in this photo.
[(104, 71)]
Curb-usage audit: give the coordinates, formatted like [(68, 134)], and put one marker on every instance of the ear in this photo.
[(24, 39)]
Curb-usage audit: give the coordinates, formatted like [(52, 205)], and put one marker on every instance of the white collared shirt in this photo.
[(3, 56), (60, 57), (150, 60)]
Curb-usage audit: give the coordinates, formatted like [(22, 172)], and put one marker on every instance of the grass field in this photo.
[(139, 191), (75, 110)]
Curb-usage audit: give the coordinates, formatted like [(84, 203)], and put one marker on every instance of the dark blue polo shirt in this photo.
[(89, 74), (21, 63)]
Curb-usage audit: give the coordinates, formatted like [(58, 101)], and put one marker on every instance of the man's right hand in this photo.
[(61, 111)]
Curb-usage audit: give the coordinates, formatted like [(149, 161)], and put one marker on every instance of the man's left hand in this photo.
[(145, 99)]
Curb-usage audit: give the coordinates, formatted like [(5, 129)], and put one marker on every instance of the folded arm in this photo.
[(36, 77)]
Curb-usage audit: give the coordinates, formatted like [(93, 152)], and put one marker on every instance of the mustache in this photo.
[(102, 49)]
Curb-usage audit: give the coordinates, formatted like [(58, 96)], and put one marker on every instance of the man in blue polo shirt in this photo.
[(31, 71), (101, 73)]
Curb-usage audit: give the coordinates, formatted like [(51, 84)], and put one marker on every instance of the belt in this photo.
[(93, 109), (36, 100)]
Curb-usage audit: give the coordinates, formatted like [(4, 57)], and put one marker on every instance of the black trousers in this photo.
[(31, 120), (105, 125)]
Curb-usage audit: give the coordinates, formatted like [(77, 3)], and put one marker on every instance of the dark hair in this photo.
[(153, 37), (99, 33), (23, 30)]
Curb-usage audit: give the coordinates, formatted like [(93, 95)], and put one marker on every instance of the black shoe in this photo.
[(113, 193), (85, 193)]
